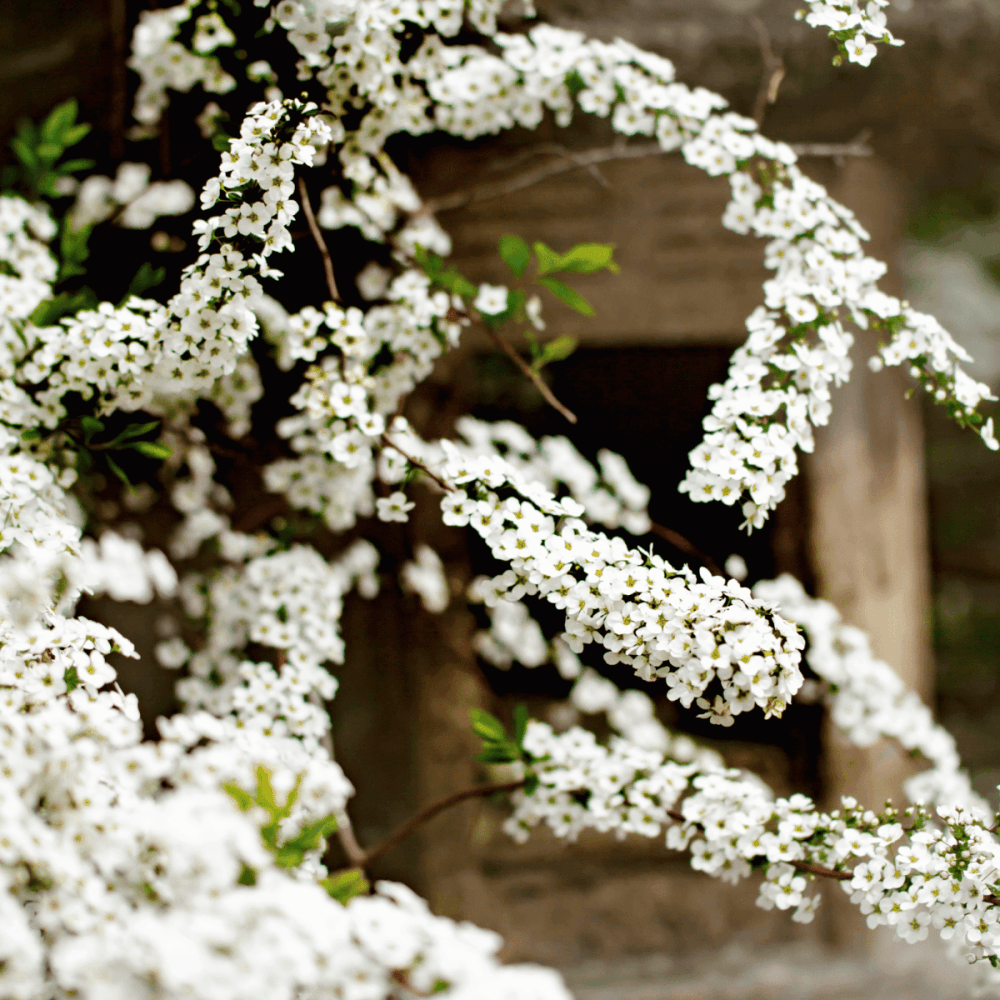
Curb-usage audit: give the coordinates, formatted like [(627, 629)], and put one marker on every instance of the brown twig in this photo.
[(774, 71), (858, 146), (411, 826), (589, 159), (568, 161), (416, 463), (678, 541), (317, 235), (536, 379)]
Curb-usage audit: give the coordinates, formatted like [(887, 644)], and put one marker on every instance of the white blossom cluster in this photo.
[(126, 869), (609, 495), (133, 864), (163, 63), (25, 280), (289, 601), (868, 699), (855, 24), (939, 873), (779, 382), (142, 354), (129, 198), (660, 621)]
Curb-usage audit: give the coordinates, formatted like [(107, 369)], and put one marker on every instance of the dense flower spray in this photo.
[(193, 865)]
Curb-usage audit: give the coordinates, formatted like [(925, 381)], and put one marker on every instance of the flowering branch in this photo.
[(416, 463), (678, 541)]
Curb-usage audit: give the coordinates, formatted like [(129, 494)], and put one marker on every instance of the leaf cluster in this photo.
[(498, 746), (289, 853), (39, 150)]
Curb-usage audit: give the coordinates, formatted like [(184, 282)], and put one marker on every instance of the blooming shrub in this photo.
[(195, 865)]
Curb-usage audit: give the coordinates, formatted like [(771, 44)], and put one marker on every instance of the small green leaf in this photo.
[(247, 875), (530, 782), (151, 449), (516, 253), (520, 724), (555, 350), (59, 119), (243, 798), (72, 166), (49, 152), (24, 153), (91, 426), (430, 263), (487, 726), (221, 142), (74, 134), (548, 259), (344, 885), (31, 434), (145, 278), (586, 258), (118, 471), (567, 295), (499, 753), (136, 430), (71, 678)]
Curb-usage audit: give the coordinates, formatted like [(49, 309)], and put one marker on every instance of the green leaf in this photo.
[(516, 253), (73, 135), (344, 885), (555, 350), (499, 753), (486, 726), (136, 430), (265, 794), (24, 153), (117, 470), (453, 282), (430, 263), (548, 259), (91, 426), (59, 119), (151, 449), (48, 152), (586, 258), (145, 278), (47, 312), (530, 782), (221, 142), (72, 166), (567, 295), (520, 724), (247, 876), (31, 434), (71, 678), (243, 798)]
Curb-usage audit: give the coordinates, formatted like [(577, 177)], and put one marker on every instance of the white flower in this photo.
[(394, 507), (491, 299)]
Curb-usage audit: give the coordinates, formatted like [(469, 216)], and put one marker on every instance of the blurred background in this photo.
[(895, 518)]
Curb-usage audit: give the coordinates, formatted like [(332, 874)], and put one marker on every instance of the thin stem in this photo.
[(774, 71), (416, 463), (567, 161), (588, 160), (411, 826), (317, 235), (678, 541), (536, 379)]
